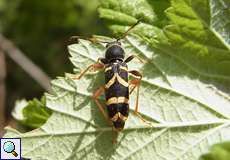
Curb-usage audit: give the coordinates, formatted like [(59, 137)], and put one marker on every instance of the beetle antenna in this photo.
[(91, 39), (126, 33)]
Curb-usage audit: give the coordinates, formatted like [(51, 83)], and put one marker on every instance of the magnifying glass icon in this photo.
[(9, 147)]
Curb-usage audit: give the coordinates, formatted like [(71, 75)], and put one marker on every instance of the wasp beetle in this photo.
[(117, 87)]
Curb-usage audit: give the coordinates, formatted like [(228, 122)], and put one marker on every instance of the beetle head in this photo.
[(114, 51)]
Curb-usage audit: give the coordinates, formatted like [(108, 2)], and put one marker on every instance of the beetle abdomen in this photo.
[(117, 93), (118, 113)]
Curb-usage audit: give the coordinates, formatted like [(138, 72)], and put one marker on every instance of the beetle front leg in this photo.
[(97, 66), (130, 58), (91, 39)]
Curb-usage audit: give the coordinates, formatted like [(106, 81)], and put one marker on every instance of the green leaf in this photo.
[(126, 12), (33, 113), (220, 151), (200, 39), (188, 106)]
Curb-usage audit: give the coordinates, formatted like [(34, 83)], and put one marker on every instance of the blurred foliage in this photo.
[(41, 29), (220, 151)]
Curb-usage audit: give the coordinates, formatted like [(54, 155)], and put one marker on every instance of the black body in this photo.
[(117, 90), (116, 85)]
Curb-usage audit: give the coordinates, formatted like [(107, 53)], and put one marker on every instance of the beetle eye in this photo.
[(107, 45)]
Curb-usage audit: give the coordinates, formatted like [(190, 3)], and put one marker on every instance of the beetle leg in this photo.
[(136, 83), (129, 58), (115, 135), (95, 66), (95, 96), (131, 88), (91, 39), (76, 38)]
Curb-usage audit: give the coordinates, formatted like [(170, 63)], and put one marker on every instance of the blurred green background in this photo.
[(41, 29)]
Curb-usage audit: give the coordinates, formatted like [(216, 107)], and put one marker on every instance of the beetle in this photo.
[(117, 86)]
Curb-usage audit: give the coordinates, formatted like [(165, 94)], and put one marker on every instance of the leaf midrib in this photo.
[(108, 129), (145, 144)]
